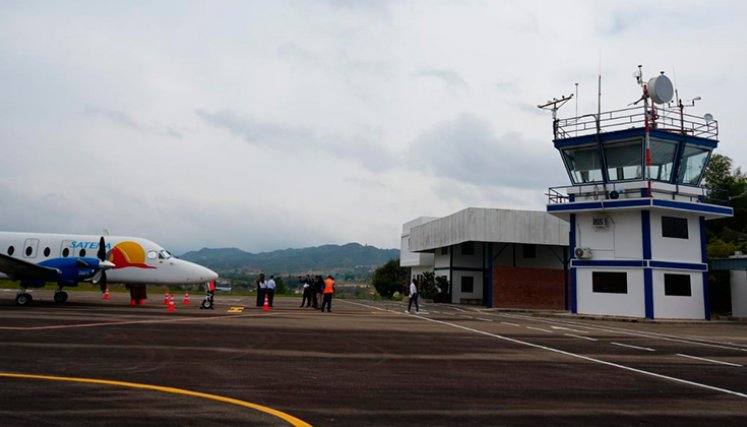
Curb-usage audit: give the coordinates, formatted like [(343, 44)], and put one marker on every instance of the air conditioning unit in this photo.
[(600, 222), (583, 253)]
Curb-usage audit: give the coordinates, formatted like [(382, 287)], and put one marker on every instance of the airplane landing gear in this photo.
[(60, 297), (24, 298)]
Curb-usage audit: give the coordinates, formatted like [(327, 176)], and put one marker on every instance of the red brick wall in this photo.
[(522, 287)]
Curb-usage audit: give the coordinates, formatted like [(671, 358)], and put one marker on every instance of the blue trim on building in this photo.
[(646, 233), (678, 265), (648, 292), (706, 297), (574, 206), (490, 276), (703, 241), (695, 207), (631, 134), (607, 263), (649, 264), (574, 293)]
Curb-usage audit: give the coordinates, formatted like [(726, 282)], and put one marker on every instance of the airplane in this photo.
[(34, 259)]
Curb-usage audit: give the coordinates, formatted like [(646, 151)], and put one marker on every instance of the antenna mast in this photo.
[(554, 106)]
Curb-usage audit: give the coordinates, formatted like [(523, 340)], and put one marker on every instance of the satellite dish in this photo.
[(660, 89), (708, 117)]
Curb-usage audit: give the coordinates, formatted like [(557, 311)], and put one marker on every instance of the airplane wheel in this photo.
[(207, 304), (24, 299), (60, 297)]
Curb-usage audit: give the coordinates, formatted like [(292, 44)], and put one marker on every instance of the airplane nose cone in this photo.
[(105, 265)]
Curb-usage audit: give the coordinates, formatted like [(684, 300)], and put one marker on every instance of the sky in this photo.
[(275, 124)]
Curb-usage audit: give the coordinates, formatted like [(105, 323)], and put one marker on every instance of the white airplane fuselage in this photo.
[(136, 260)]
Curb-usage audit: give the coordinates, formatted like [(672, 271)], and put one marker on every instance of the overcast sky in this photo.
[(272, 124)]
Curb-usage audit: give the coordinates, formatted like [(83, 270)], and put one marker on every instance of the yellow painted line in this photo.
[(236, 310), (282, 415)]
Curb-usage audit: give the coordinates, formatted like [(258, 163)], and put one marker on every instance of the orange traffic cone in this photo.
[(106, 294), (186, 297), (166, 298), (266, 307), (172, 307)]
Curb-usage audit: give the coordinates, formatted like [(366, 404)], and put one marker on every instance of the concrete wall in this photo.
[(738, 293), (680, 250), (678, 307), (631, 304)]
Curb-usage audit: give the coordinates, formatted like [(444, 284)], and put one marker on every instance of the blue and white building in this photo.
[(636, 208)]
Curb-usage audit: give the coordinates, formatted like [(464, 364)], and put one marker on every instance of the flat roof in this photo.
[(489, 225)]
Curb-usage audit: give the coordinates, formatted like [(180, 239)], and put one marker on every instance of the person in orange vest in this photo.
[(329, 290)]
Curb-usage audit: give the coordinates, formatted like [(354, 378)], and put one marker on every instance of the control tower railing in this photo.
[(667, 119), (626, 190)]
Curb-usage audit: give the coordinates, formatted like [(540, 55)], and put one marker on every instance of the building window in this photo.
[(468, 284), (468, 248), (530, 251), (609, 283), (675, 228), (445, 250), (677, 285)]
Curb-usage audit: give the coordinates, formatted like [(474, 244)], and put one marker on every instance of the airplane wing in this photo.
[(17, 269)]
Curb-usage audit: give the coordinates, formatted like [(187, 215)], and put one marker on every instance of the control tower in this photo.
[(636, 206)]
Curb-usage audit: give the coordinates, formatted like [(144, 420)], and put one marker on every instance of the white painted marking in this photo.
[(579, 356), (466, 317), (568, 329), (582, 337), (709, 360), (510, 324), (632, 346), (459, 309), (484, 319), (540, 329)]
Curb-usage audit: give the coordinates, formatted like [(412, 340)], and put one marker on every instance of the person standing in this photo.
[(307, 291), (329, 290), (317, 292), (413, 296), (261, 290), (271, 290)]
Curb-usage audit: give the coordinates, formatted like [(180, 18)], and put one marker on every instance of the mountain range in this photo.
[(320, 259)]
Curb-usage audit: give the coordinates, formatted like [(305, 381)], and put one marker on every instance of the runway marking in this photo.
[(235, 310), (581, 336), (484, 319), (709, 360), (632, 346), (579, 356), (124, 322), (510, 324), (567, 329), (540, 329), (282, 415), (644, 334)]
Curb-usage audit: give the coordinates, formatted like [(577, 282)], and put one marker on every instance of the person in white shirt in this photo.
[(271, 290), (413, 296), (261, 290)]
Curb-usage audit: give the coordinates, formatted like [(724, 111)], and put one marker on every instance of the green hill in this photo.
[(351, 257)]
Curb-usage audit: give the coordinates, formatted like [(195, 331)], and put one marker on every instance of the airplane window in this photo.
[(11, 249), (47, 251), (66, 252), (152, 254), (29, 250), (164, 254), (82, 252)]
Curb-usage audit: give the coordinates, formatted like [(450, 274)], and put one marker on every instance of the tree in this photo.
[(391, 278)]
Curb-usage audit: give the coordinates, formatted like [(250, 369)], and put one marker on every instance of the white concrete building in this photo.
[(493, 257)]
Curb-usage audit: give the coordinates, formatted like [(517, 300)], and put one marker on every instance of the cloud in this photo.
[(467, 150), (450, 77), (362, 146), (123, 119)]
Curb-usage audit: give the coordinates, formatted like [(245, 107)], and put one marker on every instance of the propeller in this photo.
[(100, 276)]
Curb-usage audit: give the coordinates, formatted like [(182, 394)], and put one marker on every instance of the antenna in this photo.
[(554, 106)]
